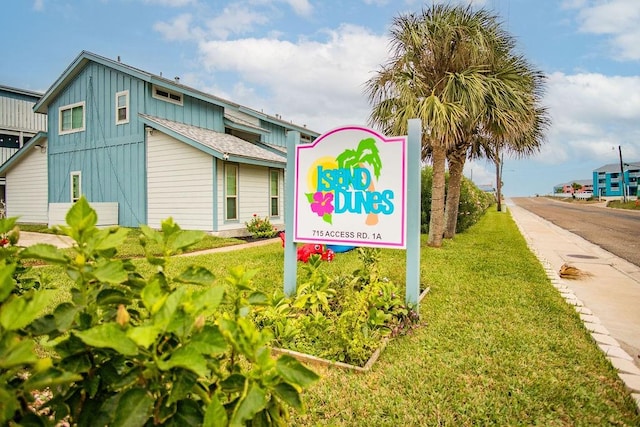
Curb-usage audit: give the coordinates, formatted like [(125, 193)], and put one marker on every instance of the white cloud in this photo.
[(181, 28), (301, 7), (38, 5), (482, 172), (235, 19), (616, 18), (591, 113), (318, 83)]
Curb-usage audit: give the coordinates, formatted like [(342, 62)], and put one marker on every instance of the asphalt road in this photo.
[(615, 230)]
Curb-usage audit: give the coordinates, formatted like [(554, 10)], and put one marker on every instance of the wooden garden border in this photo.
[(313, 360)]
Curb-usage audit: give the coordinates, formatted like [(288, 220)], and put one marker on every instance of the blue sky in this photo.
[(308, 60)]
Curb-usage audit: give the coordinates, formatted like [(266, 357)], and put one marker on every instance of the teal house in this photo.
[(611, 180), (141, 148)]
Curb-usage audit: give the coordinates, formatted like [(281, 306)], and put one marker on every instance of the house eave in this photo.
[(86, 57), (228, 157), (278, 121), (39, 139), (230, 123)]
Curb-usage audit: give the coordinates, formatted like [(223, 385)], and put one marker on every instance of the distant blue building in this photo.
[(607, 180), (141, 148)]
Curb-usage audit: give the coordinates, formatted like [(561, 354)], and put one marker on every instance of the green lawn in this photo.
[(498, 345), (619, 204)]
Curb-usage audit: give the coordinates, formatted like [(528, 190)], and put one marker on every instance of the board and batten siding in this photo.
[(26, 189), (6, 153), (16, 113), (179, 184), (253, 198), (110, 157)]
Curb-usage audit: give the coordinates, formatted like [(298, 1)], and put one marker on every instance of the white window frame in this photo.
[(276, 197), (72, 175), (154, 90), (71, 107), (125, 94), (227, 196)]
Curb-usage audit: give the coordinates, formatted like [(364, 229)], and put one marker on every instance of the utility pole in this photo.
[(624, 193), (498, 181)]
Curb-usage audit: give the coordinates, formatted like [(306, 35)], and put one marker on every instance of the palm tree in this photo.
[(439, 61), (367, 153), (510, 120)]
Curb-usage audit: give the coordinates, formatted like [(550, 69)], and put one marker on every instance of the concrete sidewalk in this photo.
[(608, 300), (28, 238)]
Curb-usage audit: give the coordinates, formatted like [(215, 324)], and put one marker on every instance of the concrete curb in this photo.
[(628, 372), (231, 248)]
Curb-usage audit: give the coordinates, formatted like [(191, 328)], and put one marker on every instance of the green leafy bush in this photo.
[(473, 202), (260, 227), (130, 350), (342, 318)]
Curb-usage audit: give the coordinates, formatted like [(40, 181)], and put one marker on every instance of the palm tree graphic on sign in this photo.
[(365, 155)]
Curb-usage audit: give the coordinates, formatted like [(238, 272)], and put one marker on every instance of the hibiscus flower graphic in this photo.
[(322, 204)]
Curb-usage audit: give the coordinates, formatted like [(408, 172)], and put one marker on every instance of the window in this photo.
[(122, 107), (231, 191), (10, 141), (76, 186), (274, 191), (167, 95), (72, 118)]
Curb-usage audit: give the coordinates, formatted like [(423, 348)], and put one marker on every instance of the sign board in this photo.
[(350, 188)]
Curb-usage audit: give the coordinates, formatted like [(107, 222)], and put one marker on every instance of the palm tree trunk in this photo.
[(456, 165), (499, 184), (436, 223)]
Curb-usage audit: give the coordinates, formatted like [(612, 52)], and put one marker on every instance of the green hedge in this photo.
[(473, 202)]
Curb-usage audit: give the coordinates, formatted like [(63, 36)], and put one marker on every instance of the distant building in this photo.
[(581, 186), (607, 180), (18, 124), (488, 188)]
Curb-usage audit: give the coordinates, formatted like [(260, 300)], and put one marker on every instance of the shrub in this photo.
[(342, 318), (473, 202), (260, 227), (130, 350)]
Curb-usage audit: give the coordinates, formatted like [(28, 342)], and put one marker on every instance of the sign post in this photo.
[(414, 192), (290, 257)]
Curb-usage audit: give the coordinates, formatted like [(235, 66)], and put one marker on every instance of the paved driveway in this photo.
[(28, 238)]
